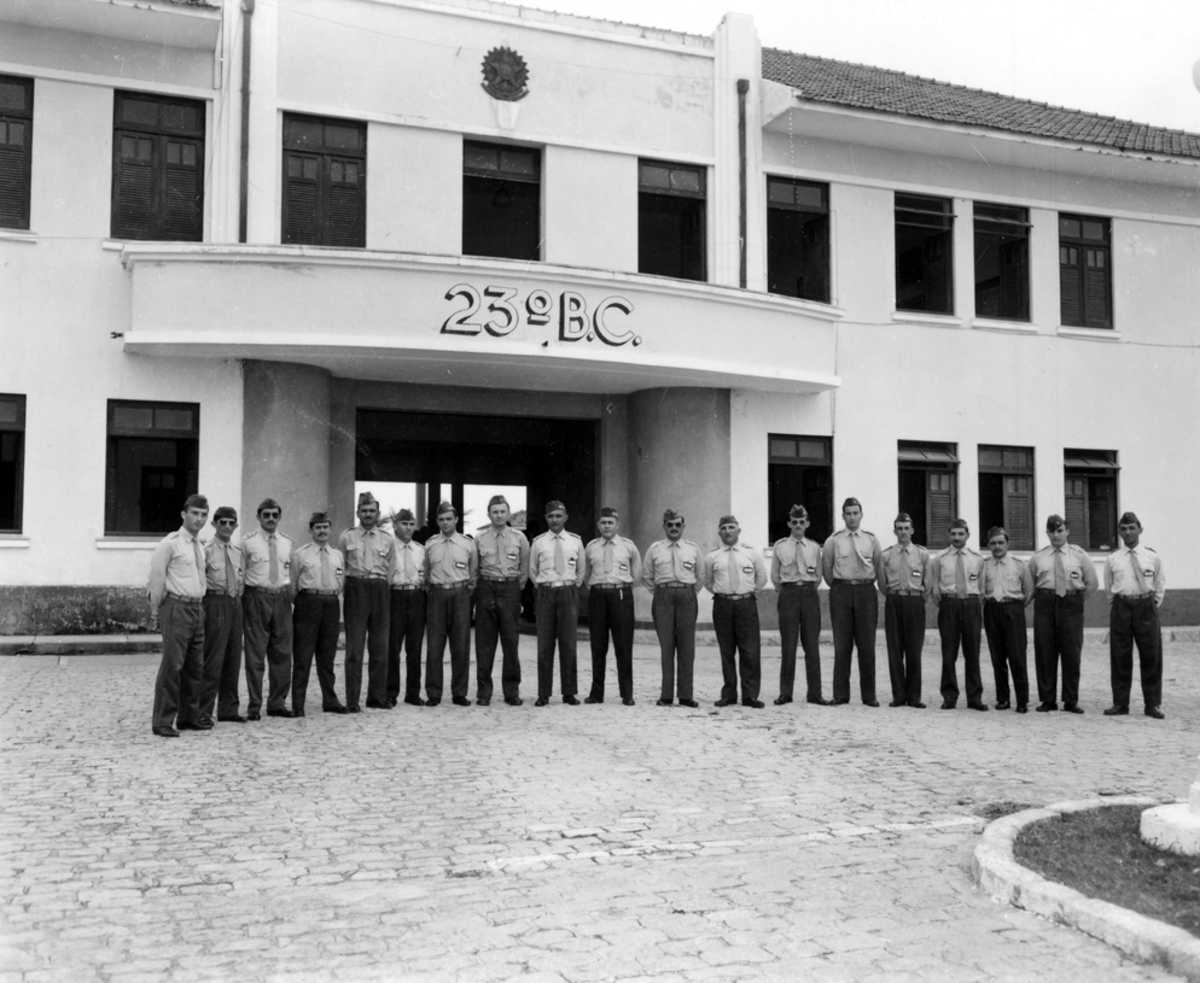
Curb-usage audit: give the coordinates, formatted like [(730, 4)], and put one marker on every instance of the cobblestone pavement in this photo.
[(558, 844)]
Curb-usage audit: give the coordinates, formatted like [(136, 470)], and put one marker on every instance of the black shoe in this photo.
[(898, 703), (297, 713), (758, 704), (1003, 705), (541, 701), (663, 703), (1022, 708), (460, 701), (377, 705), (819, 701), (1072, 708), (918, 705), (354, 708), (781, 700), (720, 703), (977, 706), (690, 704), (947, 705), (571, 701), (628, 701), (391, 702), (253, 715), (513, 701), (279, 712), (166, 732), (838, 703), (1046, 707), (194, 725), (1117, 711), (594, 699), (1156, 713), (432, 703), (870, 703), (414, 701), (231, 718), (338, 708), (483, 703)]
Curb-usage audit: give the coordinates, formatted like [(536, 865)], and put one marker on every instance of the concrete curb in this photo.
[(1144, 939)]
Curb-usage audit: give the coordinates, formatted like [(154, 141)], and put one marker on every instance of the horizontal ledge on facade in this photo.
[(996, 324), (25, 236), (8, 541), (127, 542), (1089, 334), (933, 320)]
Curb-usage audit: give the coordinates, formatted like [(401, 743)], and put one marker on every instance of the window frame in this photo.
[(938, 216), (823, 241), (674, 191), (115, 433), (1005, 222), (21, 160), (1079, 266), (933, 460), (1091, 467), (1010, 467), (812, 452), (504, 179), (8, 428), (327, 155)]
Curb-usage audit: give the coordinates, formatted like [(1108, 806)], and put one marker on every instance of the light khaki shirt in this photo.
[(309, 573), (542, 552), (943, 573), (257, 550), (736, 569), (215, 569), (1080, 574), (673, 562), (892, 574), (850, 555), (1120, 580), (408, 564), (177, 567), (1006, 579), (796, 561), (368, 552), (450, 560), (613, 561), (503, 553)]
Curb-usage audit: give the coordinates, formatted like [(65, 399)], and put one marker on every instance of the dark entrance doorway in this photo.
[(457, 457)]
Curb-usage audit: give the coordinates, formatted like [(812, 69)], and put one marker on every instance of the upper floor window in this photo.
[(16, 141), (158, 168), (671, 220), (799, 472), (798, 238), (924, 254), (152, 466), (12, 460), (1085, 271), (1091, 497), (1006, 493), (1002, 262), (928, 475), (502, 200), (324, 181)]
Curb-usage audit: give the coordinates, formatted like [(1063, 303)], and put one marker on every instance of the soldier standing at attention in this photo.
[(450, 571), (503, 570), (1133, 575), (225, 572), (1063, 576), (406, 623), (176, 589), (734, 573), (902, 570), (317, 579), (1006, 588), (368, 552), (267, 613), (796, 574), (849, 560), (612, 565), (556, 569), (954, 586), (673, 569)]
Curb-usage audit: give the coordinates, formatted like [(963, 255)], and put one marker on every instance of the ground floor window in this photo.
[(1091, 497), (1006, 493), (929, 489), (12, 460), (153, 458), (800, 472)]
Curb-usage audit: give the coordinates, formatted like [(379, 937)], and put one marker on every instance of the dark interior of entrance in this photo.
[(444, 452)]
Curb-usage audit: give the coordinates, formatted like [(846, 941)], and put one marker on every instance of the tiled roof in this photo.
[(886, 91)]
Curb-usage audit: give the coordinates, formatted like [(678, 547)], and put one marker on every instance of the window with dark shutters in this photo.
[(798, 238), (1006, 493), (151, 467), (16, 141), (12, 460), (158, 168), (1085, 271), (672, 228), (1090, 492), (928, 485), (324, 181), (799, 472)]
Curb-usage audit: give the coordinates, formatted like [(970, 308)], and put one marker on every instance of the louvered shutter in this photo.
[(1076, 505), (345, 203), (1095, 289), (135, 187), (14, 180), (939, 507), (1018, 512), (1070, 285), (183, 218), (300, 198)]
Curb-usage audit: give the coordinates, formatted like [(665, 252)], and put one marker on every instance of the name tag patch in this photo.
[(689, 565), (460, 564), (749, 568), (623, 566), (810, 569)]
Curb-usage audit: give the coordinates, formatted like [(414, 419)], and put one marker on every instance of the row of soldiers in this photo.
[(285, 602)]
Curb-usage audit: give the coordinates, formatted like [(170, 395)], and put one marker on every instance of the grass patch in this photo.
[(1100, 853)]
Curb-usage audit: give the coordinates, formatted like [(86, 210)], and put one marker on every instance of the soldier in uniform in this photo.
[(734, 572), (267, 612), (225, 573), (1062, 578), (317, 580), (1006, 588), (503, 570), (849, 560), (954, 587), (451, 566), (796, 574), (901, 576), (176, 589), (368, 552), (673, 569), (612, 565), (1133, 576), (556, 569), (407, 620)]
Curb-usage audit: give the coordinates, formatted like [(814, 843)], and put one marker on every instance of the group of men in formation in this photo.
[(399, 594)]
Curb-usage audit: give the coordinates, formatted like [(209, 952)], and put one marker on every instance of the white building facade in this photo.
[(278, 249)]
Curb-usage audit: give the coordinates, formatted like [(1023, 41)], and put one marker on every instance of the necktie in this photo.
[(500, 552), (905, 569), (675, 575), (731, 570), (201, 579), (230, 575), (406, 562), (608, 558), (272, 562), (560, 561), (960, 575), (997, 580), (1060, 575), (326, 570), (1137, 573)]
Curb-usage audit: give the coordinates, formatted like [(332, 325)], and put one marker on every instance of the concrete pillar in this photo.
[(614, 475), (285, 442)]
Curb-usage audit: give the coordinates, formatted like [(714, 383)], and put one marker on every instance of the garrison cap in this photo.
[(1056, 522), (445, 508), (497, 500), (727, 520), (959, 523), (317, 517), (554, 505), (670, 514), (1129, 518), (901, 517), (997, 531), (225, 512), (196, 502), (268, 503), (608, 512), (366, 498), (797, 512), (851, 503), (405, 515)]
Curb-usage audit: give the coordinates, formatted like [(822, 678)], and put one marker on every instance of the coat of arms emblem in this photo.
[(505, 75)]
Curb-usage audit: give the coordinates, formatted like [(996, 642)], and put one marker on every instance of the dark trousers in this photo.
[(314, 631), (557, 622), (854, 612), (1057, 633), (222, 656), (497, 617), (904, 628), (674, 612), (960, 620), (736, 626), (368, 606), (267, 627), (610, 613), (406, 628), (1132, 621), (1004, 625), (448, 616), (181, 671), (799, 621)]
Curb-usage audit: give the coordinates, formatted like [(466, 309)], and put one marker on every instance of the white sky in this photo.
[(1127, 58)]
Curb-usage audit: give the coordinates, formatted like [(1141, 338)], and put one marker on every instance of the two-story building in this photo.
[(278, 249)]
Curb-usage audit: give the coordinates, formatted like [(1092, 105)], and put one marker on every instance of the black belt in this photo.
[(1133, 598), (955, 597), (501, 580), (676, 585), (369, 576), (265, 590), (221, 593), (1044, 591), (735, 597), (611, 587), (319, 593), (557, 585), (853, 582), (1005, 600), (406, 586), (454, 586), (906, 592), (182, 598), (809, 584)]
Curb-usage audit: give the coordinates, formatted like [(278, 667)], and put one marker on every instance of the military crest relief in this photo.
[(505, 75)]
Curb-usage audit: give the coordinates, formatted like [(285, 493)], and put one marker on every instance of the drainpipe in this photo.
[(743, 87), (244, 167)]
